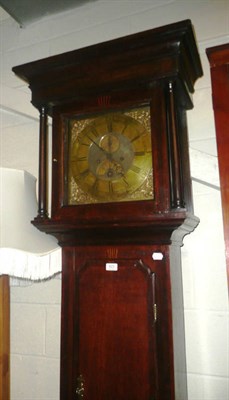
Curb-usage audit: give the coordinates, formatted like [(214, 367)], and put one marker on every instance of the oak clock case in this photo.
[(121, 205)]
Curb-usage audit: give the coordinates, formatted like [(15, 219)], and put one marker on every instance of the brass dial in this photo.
[(111, 158)]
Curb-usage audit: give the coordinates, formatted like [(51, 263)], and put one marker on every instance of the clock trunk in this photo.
[(117, 324)]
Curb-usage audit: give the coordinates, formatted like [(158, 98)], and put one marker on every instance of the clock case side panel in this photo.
[(68, 312), (178, 147)]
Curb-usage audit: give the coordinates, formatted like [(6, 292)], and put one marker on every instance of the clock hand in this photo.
[(108, 153), (96, 144)]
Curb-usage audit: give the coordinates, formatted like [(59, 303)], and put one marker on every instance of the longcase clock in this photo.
[(121, 205)]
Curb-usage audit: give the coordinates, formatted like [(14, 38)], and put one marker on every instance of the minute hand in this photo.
[(107, 153), (96, 144)]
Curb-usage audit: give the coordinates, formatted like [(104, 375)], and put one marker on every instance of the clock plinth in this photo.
[(121, 205)]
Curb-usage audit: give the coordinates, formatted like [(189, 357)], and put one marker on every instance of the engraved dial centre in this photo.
[(110, 156)]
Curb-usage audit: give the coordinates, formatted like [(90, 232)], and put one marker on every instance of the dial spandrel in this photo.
[(110, 158)]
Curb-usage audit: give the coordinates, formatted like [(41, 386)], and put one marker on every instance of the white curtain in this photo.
[(25, 252)]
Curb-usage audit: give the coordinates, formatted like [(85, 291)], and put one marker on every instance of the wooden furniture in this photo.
[(4, 338), (119, 218), (219, 62)]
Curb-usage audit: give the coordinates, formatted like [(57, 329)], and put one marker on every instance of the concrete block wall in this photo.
[(35, 340), (35, 310), (206, 301)]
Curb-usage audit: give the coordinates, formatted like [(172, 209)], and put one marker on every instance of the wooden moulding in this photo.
[(162, 53), (219, 62)]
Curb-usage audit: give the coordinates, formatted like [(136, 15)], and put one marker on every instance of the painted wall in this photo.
[(35, 309)]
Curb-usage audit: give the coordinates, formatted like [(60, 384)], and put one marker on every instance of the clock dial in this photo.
[(110, 158)]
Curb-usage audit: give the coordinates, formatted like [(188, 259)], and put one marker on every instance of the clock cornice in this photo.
[(165, 53)]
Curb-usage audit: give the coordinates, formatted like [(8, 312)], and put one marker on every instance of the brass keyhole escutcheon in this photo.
[(80, 387)]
